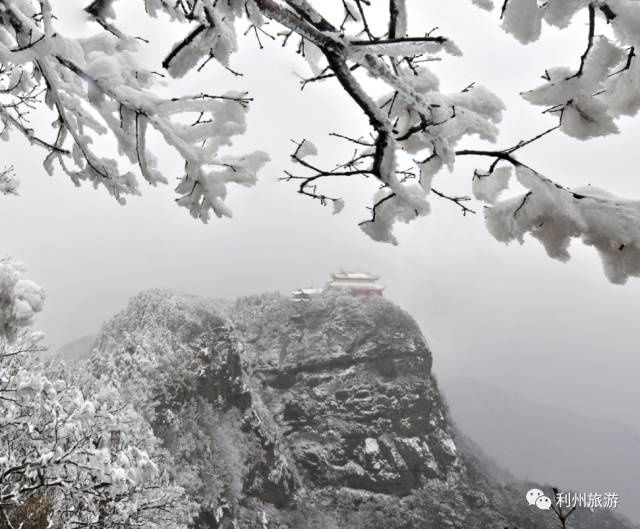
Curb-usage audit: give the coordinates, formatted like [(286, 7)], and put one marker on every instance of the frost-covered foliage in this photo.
[(608, 223), (173, 359), (588, 99), (91, 456), (20, 299), (96, 85), (158, 332), (413, 120)]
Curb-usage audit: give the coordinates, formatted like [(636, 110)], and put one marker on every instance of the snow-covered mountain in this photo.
[(76, 350), (308, 414)]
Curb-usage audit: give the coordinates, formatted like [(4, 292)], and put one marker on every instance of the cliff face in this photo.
[(320, 413), (349, 386)]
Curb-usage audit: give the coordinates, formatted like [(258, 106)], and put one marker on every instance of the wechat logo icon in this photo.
[(536, 497)]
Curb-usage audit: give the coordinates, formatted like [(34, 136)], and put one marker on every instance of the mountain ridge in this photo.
[(320, 413)]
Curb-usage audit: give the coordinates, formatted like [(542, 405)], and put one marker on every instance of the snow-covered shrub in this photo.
[(78, 453)]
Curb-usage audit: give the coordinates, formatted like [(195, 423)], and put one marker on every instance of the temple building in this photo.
[(358, 283)]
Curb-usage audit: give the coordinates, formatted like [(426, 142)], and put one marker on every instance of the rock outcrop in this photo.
[(307, 414)]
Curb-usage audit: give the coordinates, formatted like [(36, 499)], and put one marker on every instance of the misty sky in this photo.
[(505, 314)]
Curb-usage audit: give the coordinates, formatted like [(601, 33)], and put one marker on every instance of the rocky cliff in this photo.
[(308, 414)]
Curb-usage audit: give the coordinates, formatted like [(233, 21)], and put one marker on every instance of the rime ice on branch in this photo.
[(78, 450), (95, 85)]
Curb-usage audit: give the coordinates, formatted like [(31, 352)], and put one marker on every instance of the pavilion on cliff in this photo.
[(358, 283)]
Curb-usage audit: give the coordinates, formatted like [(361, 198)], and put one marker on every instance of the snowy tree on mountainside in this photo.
[(97, 85), (20, 300), (77, 455)]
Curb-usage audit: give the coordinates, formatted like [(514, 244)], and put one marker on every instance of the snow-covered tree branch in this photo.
[(90, 458), (96, 85)]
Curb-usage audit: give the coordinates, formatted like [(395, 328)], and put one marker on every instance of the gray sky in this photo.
[(505, 314)]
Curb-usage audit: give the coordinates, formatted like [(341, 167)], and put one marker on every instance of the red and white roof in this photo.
[(357, 285), (354, 276), (356, 281)]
